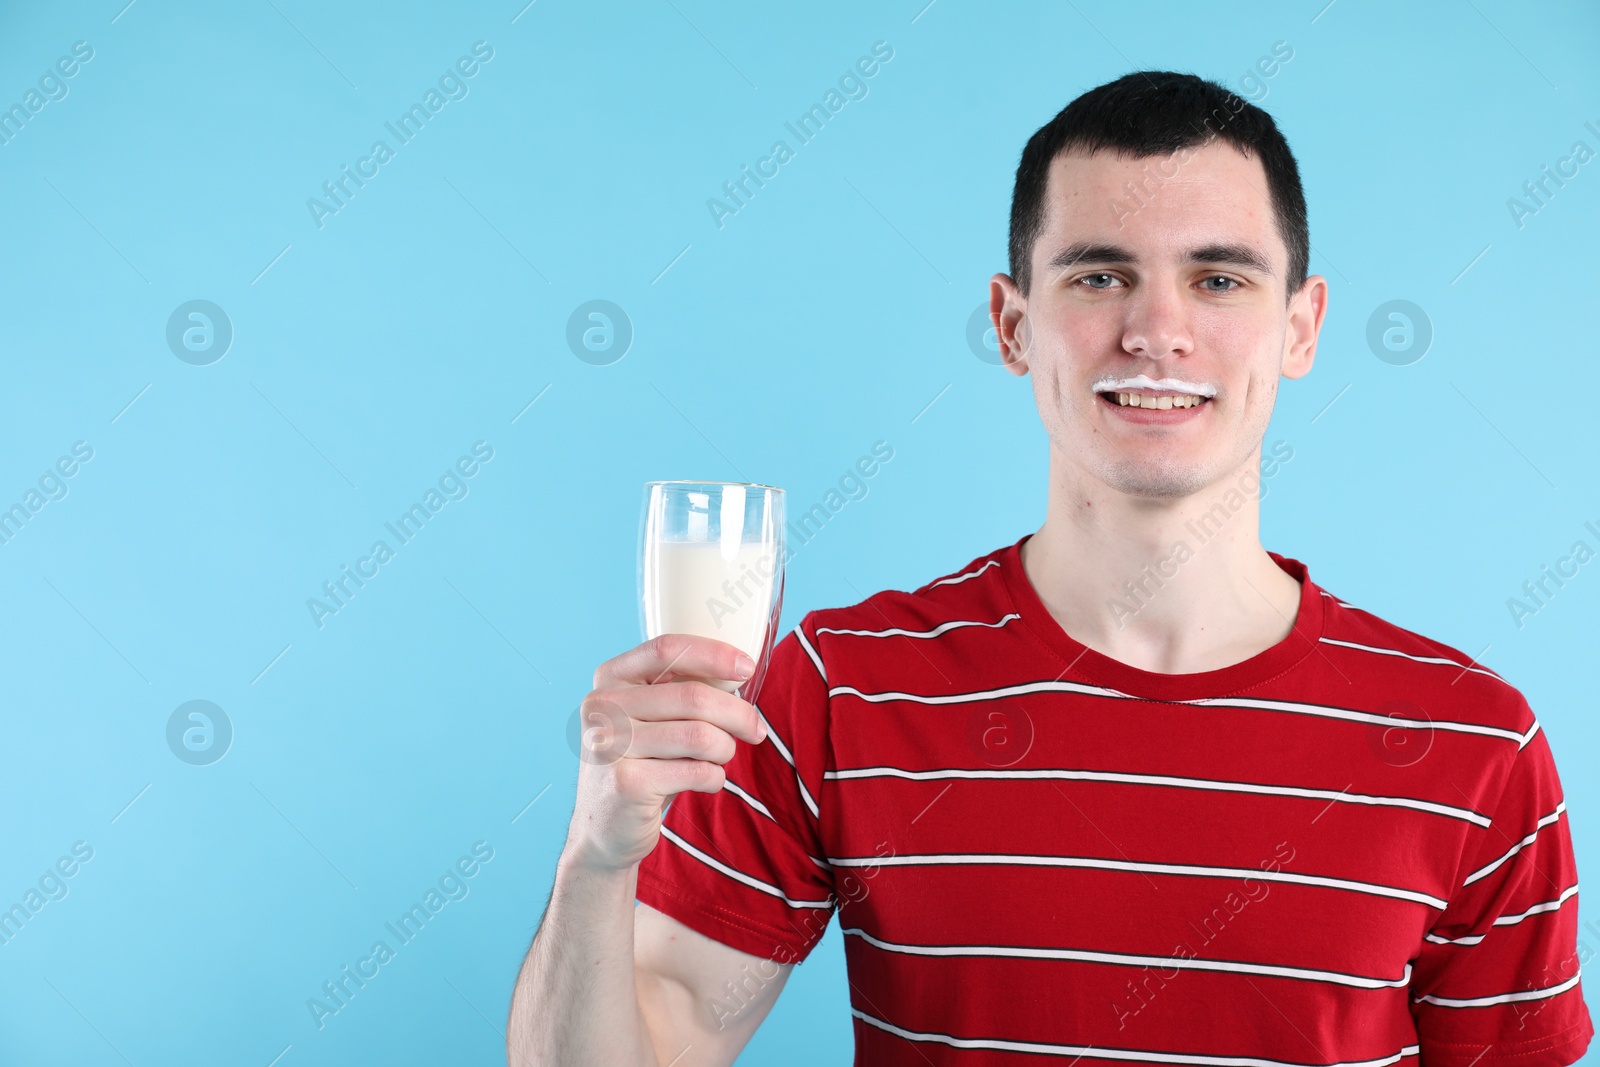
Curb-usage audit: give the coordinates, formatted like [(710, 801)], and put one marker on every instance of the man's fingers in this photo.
[(687, 700), (660, 779), (675, 655), (682, 739)]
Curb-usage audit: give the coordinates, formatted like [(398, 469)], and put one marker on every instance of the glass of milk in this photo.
[(711, 564)]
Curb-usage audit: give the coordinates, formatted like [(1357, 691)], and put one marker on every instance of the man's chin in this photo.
[(1164, 483)]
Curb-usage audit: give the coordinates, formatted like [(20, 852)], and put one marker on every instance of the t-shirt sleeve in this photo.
[(746, 865), (1497, 978)]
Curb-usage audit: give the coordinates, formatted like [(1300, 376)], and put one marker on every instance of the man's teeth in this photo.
[(1160, 403)]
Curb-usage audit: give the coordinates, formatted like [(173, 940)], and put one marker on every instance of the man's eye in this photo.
[(1231, 284), (1093, 278)]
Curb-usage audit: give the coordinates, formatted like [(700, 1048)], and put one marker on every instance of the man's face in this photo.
[(1186, 291)]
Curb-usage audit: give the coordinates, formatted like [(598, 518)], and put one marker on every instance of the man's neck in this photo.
[(1168, 586)]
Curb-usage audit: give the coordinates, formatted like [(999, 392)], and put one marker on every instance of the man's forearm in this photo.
[(576, 1003)]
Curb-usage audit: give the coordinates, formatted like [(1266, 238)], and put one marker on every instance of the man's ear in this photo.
[(1306, 312), (1008, 313)]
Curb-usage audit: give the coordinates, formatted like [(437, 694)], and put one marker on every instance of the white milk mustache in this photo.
[(709, 590)]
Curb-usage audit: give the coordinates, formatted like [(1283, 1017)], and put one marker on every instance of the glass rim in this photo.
[(690, 481)]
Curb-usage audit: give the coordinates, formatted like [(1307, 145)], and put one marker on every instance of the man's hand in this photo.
[(608, 980), (653, 728)]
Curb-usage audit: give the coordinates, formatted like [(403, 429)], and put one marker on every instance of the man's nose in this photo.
[(1157, 325)]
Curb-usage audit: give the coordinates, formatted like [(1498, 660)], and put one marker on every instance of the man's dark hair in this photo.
[(1150, 113)]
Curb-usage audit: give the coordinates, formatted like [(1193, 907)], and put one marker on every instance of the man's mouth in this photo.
[(1155, 401)]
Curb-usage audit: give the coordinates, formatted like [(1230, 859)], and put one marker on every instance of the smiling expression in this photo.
[(1157, 326)]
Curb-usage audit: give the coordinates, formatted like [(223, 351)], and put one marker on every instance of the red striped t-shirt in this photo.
[(1349, 849)]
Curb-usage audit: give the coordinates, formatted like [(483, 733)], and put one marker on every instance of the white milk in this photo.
[(710, 590)]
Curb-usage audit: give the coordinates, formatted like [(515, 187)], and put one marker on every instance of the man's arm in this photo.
[(606, 982), (1495, 982), (683, 978), (583, 996)]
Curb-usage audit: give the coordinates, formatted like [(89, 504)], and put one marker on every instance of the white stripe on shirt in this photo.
[(740, 876), (1509, 920), (895, 631), (1099, 863), (727, 783), (958, 579), (1126, 959), (1099, 1053), (983, 694), (1217, 785), (1470, 939), (1518, 847), (788, 757), (1420, 659), (1528, 736), (1293, 707), (730, 786), (1539, 909), (816, 659), (1503, 998), (1332, 712)]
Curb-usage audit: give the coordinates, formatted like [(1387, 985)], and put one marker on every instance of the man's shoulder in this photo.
[(1442, 680)]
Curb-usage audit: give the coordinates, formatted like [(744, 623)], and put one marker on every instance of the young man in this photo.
[(1130, 790)]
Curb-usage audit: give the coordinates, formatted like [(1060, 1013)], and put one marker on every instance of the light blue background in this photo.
[(826, 315)]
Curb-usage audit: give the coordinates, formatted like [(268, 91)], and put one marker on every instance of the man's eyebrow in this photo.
[(1089, 252), (1238, 255)]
